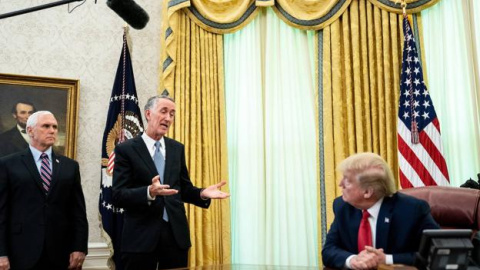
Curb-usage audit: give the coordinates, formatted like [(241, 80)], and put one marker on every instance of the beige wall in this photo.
[(83, 45)]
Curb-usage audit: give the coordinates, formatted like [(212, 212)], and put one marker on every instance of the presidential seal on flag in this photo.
[(124, 128)]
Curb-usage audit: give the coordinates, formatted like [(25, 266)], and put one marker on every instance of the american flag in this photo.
[(420, 155), (124, 121)]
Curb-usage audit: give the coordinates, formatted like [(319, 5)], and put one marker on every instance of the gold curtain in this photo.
[(200, 125), (361, 72)]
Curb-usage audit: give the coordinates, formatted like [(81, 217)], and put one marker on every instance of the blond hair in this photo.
[(371, 171)]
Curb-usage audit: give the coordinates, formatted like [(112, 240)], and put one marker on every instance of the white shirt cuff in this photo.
[(388, 258), (150, 198), (347, 262)]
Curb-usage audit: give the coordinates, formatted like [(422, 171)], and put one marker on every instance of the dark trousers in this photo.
[(46, 263), (167, 254)]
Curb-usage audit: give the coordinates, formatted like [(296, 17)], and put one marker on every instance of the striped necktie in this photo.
[(45, 172)]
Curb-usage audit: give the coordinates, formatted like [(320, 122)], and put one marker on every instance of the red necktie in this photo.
[(364, 232)]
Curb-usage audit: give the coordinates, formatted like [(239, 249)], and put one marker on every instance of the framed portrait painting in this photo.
[(21, 95)]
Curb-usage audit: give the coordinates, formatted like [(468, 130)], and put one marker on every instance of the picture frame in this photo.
[(57, 95)]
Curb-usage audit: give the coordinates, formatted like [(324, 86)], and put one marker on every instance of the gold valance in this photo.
[(222, 16), (222, 11), (227, 16), (310, 14), (412, 6)]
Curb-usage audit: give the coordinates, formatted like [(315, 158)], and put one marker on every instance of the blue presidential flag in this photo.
[(124, 121)]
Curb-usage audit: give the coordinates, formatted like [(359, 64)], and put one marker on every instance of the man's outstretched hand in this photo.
[(214, 192), (157, 189)]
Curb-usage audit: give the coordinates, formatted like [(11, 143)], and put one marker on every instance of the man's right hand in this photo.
[(4, 263), (157, 189), (363, 261), (380, 256)]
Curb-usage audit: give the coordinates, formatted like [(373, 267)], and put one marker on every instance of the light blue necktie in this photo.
[(159, 161)]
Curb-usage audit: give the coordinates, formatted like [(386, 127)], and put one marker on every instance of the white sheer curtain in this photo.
[(245, 137), (270, 97), (474, 21), (451, 52)]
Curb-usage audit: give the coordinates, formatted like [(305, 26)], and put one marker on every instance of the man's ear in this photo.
[(30, 131), (368, 193), (147, 115)]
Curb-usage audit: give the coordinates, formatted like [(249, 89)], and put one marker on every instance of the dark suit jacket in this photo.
[(31, 221), (400, 224), (133, 172), (11, 141)]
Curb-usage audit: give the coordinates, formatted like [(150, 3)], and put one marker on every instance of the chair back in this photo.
[(452, 207)]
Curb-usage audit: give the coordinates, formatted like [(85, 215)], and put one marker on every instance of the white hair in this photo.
[(33, 119)]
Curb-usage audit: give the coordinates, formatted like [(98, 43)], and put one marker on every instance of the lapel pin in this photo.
[(57, 161), (387, 220)]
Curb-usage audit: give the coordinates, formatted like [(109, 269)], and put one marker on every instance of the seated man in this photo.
[(373, 223)]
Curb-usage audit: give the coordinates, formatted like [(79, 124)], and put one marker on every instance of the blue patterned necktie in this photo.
[(159, 161), (45, 172)]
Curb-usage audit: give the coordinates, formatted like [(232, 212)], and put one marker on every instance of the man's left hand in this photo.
[(76, 260), (380, 257), (363, 261), (214, 192)]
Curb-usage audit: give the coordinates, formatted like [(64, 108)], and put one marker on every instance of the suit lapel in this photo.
[(27, 159), (18, 140), (383, 222), (141, 148), (354, 225), (170, 152)]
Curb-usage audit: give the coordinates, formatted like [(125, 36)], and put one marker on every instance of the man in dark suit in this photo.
[(43, 222), (16, 139), (373, 224), (151, 183)]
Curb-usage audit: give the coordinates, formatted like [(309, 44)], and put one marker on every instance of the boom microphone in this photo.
[(130, 12)]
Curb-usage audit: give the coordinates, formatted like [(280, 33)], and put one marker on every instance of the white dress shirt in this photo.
[(37, 157), (151, 145), (24, 135), (151, 150)]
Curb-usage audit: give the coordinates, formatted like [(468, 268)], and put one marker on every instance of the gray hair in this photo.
[(151, 102), (33, 119)]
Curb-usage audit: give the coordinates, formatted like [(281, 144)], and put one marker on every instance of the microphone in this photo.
[(130, 12)]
